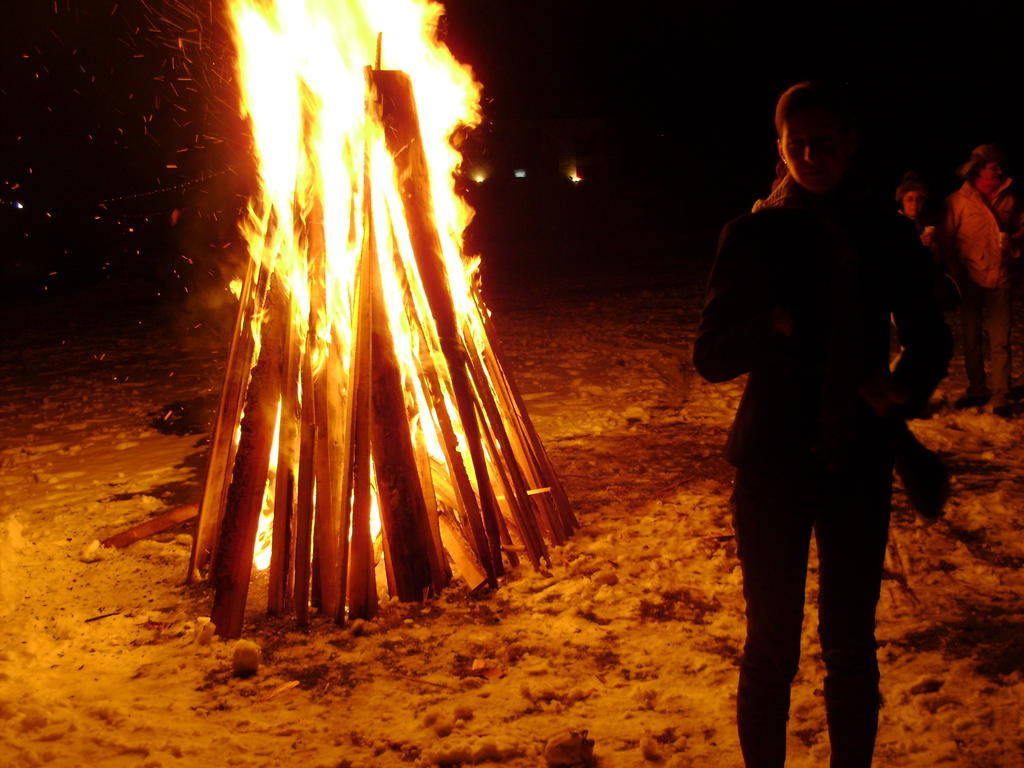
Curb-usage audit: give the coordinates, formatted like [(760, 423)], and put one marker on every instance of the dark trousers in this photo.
[(775, 511), (986, 310)]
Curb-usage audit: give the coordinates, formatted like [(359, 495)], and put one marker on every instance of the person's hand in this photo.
[(928, 237), (881, 394)]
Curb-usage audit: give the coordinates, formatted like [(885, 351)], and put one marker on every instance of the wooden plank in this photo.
[(439, 564), (444, 491), (393, 90), (233, 562), (282, 544), (551, 521), (521, 505), (461, 552), (327, 530), (220, 458), (156, 524), (335, 514), (340, 425), (548, 474), (304, 502), (456, 479), (411, 557), (362, 587), (426, 419)]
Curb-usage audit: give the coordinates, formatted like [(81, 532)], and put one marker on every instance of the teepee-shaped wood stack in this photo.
[(326, 425)]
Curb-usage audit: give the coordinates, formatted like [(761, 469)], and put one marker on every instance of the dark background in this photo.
[(123, 162)]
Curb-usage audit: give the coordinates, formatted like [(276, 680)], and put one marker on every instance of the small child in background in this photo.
[(912, 196)]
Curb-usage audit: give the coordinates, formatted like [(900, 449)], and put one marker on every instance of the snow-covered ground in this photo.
[(633, 635)]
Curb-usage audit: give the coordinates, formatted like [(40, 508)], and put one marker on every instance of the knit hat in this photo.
[(911, 183), (981, 156)]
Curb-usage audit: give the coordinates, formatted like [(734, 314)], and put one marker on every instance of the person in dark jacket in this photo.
[(912, 196), (800, 299)]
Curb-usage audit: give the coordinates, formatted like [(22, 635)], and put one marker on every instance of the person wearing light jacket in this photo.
[(981, 234)]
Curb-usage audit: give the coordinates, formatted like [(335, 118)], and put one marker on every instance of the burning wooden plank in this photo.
[(282, 544), (304, 502), (362, 591), (240, 520), (222, 446)]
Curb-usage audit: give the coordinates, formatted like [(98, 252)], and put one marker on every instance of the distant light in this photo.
[(18, 206), (575, 179), (519, 173), (479, 177)]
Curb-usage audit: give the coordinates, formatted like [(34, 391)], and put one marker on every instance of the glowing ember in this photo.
[(364, 399)]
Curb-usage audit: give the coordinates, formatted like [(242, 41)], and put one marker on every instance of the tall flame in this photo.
[(302, 73), (302, 65)]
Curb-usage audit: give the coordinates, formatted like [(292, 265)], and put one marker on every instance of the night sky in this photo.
[(119, 118), (935, 82)]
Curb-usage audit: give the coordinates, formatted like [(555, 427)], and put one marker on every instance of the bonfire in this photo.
[(368, 435)]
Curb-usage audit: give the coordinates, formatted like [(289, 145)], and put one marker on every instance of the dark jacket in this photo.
[(840, 268)]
